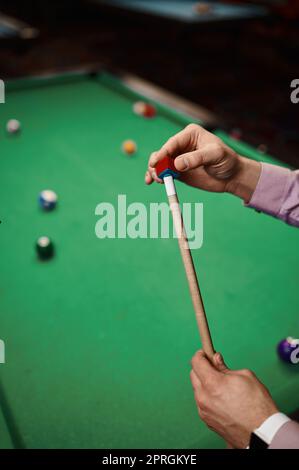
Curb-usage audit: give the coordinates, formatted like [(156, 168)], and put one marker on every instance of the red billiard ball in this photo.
[(236, 133), (262, 148), (149, 111)]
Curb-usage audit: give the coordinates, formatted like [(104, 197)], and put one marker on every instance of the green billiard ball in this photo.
[(44, 248)]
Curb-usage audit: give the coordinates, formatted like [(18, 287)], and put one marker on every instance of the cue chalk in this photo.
[(167, 172)]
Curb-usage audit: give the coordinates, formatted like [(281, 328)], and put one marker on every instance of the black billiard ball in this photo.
[(286, 350), (44, 248)]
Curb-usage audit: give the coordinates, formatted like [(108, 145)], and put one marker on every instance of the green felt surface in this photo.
[(99, 339), (5, 439)]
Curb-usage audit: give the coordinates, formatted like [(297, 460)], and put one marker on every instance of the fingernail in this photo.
[(219, 358)]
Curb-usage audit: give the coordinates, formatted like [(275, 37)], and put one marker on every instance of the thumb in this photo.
[(219, 363), (203, 368)]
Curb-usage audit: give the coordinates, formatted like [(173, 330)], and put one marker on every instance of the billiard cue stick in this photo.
[(196, 297)]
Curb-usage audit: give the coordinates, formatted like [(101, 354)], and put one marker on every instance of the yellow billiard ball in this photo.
[(129, 147)]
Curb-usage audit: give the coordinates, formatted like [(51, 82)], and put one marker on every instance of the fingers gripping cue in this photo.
[(166, 170)]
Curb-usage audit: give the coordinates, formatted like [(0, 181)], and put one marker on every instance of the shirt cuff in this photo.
[(271, 426), (270, 190)]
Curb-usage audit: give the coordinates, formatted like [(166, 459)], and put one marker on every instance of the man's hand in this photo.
[(231, 403), (207, 163)]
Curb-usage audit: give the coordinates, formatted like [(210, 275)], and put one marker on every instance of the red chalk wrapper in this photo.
[(165, 167)]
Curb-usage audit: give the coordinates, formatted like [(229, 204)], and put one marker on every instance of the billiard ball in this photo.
[(129, 147), (13, 126), (235, 133), (149, 111), (47, 199), (139, 107), (262, 148), (202, 8), (144, 109), (44, 248), (286, 347)]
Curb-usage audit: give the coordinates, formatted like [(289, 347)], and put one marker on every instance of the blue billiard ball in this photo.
[(47, 199), (286, 347)]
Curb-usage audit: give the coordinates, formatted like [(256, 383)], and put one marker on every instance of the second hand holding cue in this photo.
[(165, 170)]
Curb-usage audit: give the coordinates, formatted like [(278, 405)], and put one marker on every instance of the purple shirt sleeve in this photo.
[(277, 193), (287, 437)]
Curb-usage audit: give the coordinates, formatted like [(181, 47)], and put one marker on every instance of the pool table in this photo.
[(97, 349), (13, 28), (185, 10)]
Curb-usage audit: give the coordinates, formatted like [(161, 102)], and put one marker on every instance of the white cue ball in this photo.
[(13, 126), (139, 107)]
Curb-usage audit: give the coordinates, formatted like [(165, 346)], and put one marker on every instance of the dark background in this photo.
[(242, 71)]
